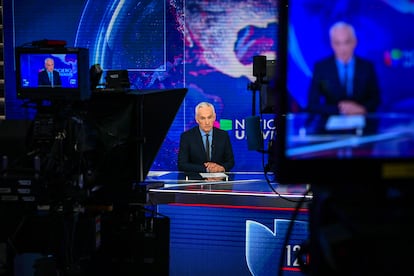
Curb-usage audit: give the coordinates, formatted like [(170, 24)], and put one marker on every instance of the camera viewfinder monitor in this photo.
[(372, 148), (70, 80)]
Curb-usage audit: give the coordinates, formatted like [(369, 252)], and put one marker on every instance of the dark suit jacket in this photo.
[(192, 156), (326, 91), (43, 78)]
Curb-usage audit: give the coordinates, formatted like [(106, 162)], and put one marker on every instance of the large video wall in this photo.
[(208, 47), (205, 46)]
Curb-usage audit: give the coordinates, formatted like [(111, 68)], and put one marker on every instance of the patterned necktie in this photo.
[(207, 148)]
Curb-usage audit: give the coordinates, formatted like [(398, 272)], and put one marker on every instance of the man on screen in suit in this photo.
[(343, 83), (49, 76), (192, 155)]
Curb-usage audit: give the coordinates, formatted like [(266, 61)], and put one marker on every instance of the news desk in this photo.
[(236, 225)]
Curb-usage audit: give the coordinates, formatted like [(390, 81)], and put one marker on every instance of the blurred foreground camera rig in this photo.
[(60, 200)]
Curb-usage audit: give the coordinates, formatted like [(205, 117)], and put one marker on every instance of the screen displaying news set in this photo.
[(379, 144), (32, 64), (71, 64)]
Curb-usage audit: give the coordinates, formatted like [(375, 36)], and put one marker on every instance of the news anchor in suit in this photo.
[(49, 77), (192, 155), (343, 83)]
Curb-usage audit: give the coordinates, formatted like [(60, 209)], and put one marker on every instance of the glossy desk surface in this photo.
[(249, 189)]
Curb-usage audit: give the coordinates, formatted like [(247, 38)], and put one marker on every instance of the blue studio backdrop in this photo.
[(208, 47), (162, 44)]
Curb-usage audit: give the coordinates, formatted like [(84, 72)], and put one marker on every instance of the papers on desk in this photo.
[(344, 122), (157, 173), (213, 175)]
